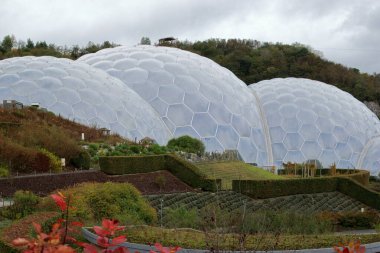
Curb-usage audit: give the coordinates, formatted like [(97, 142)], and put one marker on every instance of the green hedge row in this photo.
[(277, 188), (186, 171)]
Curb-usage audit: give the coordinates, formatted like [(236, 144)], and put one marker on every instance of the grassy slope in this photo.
[(228, 171)]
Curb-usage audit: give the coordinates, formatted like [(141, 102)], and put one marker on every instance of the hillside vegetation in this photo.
[(234, 170), (34, 140)]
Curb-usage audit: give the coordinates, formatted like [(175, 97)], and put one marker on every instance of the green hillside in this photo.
[(228, 171)]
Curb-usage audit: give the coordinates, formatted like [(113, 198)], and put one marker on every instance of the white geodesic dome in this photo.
[(193, 95), (82, 93), (308, 119)]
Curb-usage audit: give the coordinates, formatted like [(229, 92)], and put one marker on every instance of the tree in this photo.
[(8, 42), (145, 41), (187, 144), (29, 44)]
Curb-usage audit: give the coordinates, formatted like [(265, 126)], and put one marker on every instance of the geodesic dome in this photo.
[(370, 157), (82, 93), (308, 119), (193, 95)]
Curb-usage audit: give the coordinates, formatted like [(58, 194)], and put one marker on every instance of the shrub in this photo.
[(187, 144), (82, 160), (54, 161), (181, 217), (25, 203), (160, 181), (4, 171), (358, 220), (104, 200)]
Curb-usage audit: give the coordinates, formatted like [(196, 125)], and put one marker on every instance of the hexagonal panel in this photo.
[(307, 116), (311, 149), (277, 134), (309, 132), (160, 106), (180, 114), (288, 111), (340, 134), (247, 150), (291, 125), (171, 94), (241, 126), (196, 102), (279, 151), (324, 125), (212, 144), (227, 136), (344, 151), (293, 141), (220, 113), (327, 141), (204, 124)]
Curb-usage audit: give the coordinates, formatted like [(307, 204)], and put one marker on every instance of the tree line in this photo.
[(250, 60), (11, 47)]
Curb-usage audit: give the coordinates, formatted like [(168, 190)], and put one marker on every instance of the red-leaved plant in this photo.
[(55, 241), (352, 247)]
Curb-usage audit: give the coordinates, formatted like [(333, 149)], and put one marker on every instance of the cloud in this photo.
[(346, 32)]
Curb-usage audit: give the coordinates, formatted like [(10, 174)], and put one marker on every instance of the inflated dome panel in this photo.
[(192, 94), (312, 120), (80, 92), (370, 157)]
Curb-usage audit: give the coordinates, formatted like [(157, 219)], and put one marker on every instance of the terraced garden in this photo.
[(234, 170), (230, 201)]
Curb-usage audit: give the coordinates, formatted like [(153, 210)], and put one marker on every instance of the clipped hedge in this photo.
[(186, 171), (276, 188), (359, 192)]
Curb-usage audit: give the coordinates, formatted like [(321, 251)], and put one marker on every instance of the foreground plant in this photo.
[(55, 241), (352, 247)]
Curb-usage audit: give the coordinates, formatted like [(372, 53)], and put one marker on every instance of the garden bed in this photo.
[(142, 238)]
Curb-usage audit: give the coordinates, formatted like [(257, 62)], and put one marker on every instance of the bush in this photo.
[(54, 162), (187, 144), (82, 160), (4, 171), (25, 203), (181, 217), (357, 220), (120, 201)]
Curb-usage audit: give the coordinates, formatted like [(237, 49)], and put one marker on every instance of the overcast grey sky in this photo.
[(346, 31)]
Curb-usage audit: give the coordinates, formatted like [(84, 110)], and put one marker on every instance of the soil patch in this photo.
[(154, 182)]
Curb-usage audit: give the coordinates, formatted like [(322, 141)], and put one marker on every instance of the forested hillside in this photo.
[(250, 60)]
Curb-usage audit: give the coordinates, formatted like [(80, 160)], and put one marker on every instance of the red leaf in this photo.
[(118, 240), (59, 201), (37, 227), (103, 242), (100, 231), (64, 249), (88, 248), (77, 224), (121, 250)]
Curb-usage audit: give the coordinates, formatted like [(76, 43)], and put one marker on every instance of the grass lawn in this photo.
[(234, 170)]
